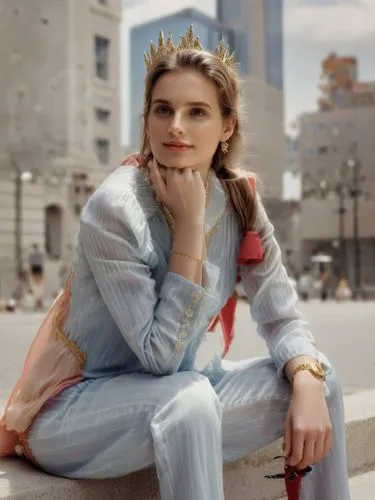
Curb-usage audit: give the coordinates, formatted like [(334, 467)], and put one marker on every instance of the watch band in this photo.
[(316, 369)]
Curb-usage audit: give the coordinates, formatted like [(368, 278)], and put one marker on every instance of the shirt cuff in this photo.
[(292, 348), (180, 305)]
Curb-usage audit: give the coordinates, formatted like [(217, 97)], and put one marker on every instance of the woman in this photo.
[(111, 385)]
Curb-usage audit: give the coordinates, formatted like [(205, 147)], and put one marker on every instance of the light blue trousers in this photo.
[(184, 425)]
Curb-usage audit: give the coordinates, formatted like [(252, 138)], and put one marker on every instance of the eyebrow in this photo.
[(193, 103)]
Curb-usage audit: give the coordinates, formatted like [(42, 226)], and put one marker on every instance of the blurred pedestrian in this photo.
[(343, 290), (325, 282), (305, 284), (36, 267)]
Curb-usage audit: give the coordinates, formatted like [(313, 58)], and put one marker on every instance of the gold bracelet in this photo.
[(186, 256)]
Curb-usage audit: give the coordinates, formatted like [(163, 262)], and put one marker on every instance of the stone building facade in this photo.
[(59, 122)]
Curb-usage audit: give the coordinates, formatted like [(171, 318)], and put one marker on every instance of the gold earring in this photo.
[(224, 147)]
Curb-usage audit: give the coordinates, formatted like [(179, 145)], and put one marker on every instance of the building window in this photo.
[(101, 57), (102, 115), (323, 150), (102, 151), (53, 231)]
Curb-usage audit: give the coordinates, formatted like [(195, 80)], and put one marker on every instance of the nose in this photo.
[(176, 128)]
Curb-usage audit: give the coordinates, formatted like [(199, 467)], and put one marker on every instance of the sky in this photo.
[(312, 28)]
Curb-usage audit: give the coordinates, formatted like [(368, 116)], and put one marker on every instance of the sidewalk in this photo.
[(363, 487)]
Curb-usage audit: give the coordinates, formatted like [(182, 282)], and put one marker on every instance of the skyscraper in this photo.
[(257, 28)]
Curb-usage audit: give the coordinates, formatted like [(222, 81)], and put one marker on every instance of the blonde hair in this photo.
[(227, 83)]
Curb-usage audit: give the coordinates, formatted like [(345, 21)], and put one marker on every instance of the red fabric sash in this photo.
[(251, 252)]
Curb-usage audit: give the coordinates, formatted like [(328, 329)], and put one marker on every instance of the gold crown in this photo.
[(187, 41)]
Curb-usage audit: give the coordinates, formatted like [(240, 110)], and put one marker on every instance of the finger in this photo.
[(308, 453), (287, 445), (328, 442), (187, 172), (298, 441), (175, 173), (131, 159), (319, 448)]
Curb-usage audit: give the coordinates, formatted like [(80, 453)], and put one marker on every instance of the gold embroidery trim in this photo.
[(188, 315), (73, 348)]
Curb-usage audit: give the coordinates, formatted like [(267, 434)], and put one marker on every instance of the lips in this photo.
[(177, 146)]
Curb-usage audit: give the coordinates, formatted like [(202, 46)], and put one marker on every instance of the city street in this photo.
[(345, 332)]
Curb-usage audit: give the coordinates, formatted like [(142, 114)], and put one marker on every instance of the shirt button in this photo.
[(189, 313)]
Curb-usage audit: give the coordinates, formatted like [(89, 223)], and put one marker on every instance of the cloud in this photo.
[(336, 21)]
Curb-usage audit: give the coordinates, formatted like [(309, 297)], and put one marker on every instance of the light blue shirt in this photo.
[(128, 313)]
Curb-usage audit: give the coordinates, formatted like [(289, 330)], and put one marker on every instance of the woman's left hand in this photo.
[(308, 428)]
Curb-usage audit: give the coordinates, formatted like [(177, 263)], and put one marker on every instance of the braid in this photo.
[(241, 195)]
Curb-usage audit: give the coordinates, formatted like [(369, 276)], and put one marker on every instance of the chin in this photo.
[(176, 160)]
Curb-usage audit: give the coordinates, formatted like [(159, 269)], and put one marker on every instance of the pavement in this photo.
[(363, 487), (345, 332)]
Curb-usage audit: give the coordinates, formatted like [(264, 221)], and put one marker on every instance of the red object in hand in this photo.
[(292, 479), (293, 482)]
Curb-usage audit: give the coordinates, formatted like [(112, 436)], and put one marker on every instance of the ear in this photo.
[(228, 128)]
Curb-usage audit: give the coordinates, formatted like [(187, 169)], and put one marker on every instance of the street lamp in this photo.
[(347, 185), (354, 166), (322, 189), (20, 178)]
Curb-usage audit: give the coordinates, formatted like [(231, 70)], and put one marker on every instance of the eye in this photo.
[(163, 110), (198, 112)]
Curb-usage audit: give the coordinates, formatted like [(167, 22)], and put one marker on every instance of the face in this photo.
[(185, 124)]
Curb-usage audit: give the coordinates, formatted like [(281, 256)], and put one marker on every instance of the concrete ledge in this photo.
[(20, 481)]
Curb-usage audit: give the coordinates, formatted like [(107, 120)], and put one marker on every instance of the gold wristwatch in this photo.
[(314, 368)]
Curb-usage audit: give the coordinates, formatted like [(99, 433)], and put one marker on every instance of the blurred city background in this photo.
[(71, 89), (71, 85)]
